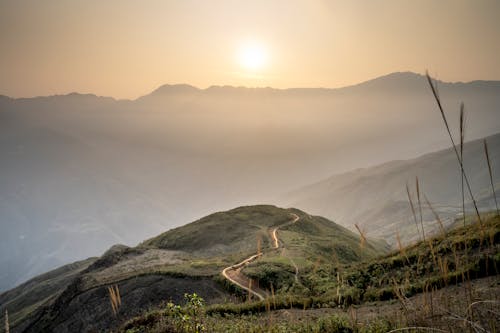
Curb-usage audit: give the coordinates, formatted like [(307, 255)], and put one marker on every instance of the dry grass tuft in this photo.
[(362, 236), (7, 325), (114, 298), (273, 296), (401, 248)]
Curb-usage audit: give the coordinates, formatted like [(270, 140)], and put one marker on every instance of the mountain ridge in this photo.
[(375, 197), (381, 82)]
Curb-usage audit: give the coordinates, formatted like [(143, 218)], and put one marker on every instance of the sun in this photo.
[(252, 56)]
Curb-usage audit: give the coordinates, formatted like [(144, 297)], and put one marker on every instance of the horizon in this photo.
[(439, 80), (130, 48)]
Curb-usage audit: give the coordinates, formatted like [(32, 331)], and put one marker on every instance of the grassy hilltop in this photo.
[(447, 283), (182, 260), (318, 266)]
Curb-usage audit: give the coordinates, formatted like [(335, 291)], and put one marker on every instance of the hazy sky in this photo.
[(126, 48)]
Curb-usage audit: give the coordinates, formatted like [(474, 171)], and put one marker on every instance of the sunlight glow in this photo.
[(252, 56)]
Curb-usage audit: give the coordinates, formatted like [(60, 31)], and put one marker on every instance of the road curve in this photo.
[(273, 233), (233, 273)]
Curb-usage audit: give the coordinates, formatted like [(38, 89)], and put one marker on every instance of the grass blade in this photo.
[(438, 101), (7, 325), (362, 237), (436, 216), (420, 208), (462, 137), (491, 175), (412, 208)]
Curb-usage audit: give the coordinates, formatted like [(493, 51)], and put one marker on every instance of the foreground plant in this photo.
[(188, 318)]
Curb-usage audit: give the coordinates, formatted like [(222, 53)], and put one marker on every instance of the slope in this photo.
[(78, 171), (376, 197), (183, 260), (448, 283)]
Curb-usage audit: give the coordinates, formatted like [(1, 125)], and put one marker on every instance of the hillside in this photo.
[(181, 153), (376, 199), (447, 283), (183, 260)]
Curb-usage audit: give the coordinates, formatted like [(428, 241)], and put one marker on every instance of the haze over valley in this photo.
[(81, 172)]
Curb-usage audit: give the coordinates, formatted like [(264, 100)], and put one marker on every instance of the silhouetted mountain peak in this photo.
[(392, 82), (167, 89)]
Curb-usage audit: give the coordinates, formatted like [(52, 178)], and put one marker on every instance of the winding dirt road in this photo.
[(233, 273), (276, 244), (275, 230)]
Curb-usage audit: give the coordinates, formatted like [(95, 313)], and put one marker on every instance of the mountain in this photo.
[(376, 199), (169, 90), (432, 275), (80, 172), (182, 260)]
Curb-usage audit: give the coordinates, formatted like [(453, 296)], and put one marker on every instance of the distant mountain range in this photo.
[(79, 172), (376, 199), (395, 82)]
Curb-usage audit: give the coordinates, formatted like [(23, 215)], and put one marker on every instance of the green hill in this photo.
[(448, 283), (182, 260), (238, 230)]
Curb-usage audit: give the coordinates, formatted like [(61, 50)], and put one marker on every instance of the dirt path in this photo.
[(276, 243), (233, 273), (274, 235)]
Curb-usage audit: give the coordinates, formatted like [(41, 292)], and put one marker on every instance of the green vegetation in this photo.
[(200, 250), (192, 318), (317, 269), (319, 275), (225, 238), (442, 262), (236, 230), (467, 252)]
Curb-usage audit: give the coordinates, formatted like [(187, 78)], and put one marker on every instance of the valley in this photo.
[(81, 172)]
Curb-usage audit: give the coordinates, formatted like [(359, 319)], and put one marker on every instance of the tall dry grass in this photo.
[(362, 236), (448, 266), (486, 152), (114, 298), (7, 325), (401, 248), (420, 207), (436, 216), (462, 138), (412, 208), (445, 120)]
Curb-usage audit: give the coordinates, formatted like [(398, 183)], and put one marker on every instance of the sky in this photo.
[(127, 48)]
